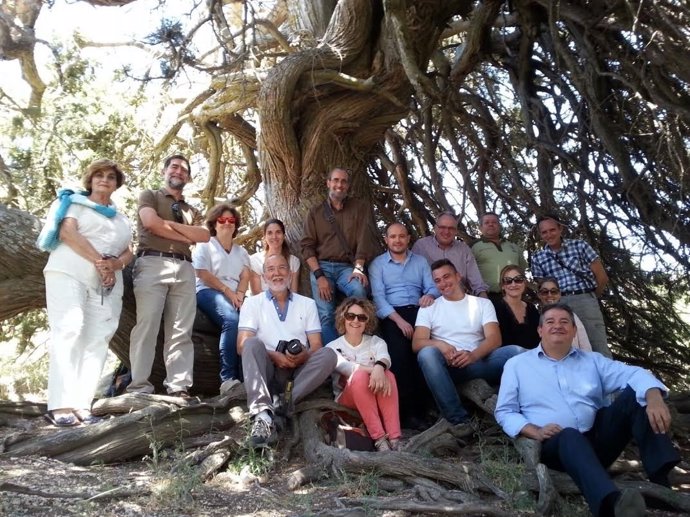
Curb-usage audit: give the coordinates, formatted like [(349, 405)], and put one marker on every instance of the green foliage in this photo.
[(23, 329), (175, 489), (176, 479), (170, 35), (83, 117), (259, 461), (502, 464), (364, 484), (24, 372)]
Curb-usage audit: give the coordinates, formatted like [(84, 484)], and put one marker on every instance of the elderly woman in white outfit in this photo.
[(90, 245)]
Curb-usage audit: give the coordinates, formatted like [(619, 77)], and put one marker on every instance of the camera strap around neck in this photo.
[(330, 217), (579, 274)]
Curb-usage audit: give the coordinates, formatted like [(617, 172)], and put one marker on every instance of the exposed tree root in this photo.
[(128, 436), (150, 422), (427, 508), (114, 493)]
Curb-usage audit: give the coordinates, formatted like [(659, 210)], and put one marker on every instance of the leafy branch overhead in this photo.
[(516, 107)]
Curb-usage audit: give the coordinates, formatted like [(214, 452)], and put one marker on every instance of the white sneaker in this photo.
[(263, 432), (228, 385)]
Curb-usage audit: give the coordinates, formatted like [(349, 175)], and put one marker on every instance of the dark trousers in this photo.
[(413, 394), (585, 456)]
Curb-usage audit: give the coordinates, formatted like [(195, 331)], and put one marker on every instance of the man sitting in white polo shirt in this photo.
[(265, 320)]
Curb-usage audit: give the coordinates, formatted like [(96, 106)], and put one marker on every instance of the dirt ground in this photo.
[(157, 486)]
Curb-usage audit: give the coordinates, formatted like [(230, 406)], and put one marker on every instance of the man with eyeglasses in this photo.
[(338, 241), (559, 395), (493, 254), (445, 245), (401, 283), (164, 281), (457, 339), (270, 322), (580, 273)]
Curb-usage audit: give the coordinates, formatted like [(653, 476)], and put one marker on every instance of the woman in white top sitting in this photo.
[(273, 244), (222, 276), (362, 378), (549, 293), (89, 241)]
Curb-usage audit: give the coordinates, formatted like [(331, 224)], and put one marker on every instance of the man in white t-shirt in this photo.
[(457, 339), (265, 320)]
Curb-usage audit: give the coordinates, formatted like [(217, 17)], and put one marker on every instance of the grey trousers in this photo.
[(586, 306), (259, 372)]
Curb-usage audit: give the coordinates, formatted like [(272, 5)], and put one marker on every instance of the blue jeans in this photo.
[(221, 312), (442, 378), (337, 274)]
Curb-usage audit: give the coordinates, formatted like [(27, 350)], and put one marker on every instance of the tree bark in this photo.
[(22, 288), (21, 264)]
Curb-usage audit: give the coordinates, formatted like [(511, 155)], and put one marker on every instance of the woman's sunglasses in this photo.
[(552, 292), (226, 220), (350, 316), (510, 279)]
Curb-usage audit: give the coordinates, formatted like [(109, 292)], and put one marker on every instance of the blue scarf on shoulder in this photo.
[(49, 238)]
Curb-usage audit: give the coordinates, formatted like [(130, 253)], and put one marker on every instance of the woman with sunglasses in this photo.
[(89, 244), (517, 319), (549, 293), (222, 277), (274, 243), (362, 379)]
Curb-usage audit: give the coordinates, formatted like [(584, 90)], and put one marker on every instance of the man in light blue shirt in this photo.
[(557, 394), (401, 283)]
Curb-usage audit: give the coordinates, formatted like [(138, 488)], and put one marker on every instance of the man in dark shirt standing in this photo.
[(164, 281), (338, 241)]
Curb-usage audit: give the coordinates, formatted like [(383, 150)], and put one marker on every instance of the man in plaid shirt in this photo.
[(580, 274)]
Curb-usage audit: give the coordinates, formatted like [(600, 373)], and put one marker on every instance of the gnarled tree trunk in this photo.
[(22, 288)]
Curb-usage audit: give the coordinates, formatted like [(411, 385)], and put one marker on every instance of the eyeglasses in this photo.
[(447, 228), (226, 220), (513, 279), (552, 292), (350, 316), (177, 212)]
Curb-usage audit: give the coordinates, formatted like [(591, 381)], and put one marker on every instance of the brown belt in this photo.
[(152, 253)]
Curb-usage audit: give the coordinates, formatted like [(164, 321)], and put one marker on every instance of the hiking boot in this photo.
[(227, 385), (263, 433)]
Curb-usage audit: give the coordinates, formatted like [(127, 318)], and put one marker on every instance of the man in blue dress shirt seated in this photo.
[(401, 283), (557, 394)]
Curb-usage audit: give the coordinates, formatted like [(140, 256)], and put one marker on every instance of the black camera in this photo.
[(292, 347)]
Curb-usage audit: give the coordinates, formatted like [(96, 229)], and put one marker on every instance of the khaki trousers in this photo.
[(163, 287)]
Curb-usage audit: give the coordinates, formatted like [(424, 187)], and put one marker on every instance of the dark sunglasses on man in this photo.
[(177, 212)]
